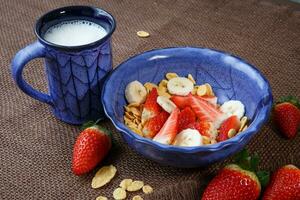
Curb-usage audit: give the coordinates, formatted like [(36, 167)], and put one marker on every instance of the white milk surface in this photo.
[(74, 33)]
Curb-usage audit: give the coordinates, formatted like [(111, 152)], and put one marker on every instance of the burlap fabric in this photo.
[(36, 148)]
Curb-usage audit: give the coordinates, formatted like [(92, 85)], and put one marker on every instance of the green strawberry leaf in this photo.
[(291, 99), (247, 161), (263, 177), (89, 124), (254, 162), (86, 125)]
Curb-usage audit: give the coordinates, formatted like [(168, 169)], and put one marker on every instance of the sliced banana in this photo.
[(166, 103), (188, 138), (135, 92), (233, 107), (180, 86)]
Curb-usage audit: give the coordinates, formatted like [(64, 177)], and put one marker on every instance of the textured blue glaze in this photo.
[(230, 77), (75, 74)]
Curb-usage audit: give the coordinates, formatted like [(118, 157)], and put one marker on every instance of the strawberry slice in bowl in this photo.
[(206, 111), (169, 130), (151, 107)]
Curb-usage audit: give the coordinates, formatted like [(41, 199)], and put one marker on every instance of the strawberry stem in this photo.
[(291, 99), (250, 163)]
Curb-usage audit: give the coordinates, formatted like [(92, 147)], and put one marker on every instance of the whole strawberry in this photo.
[(233, 183), (237, 182), (287, 116), (91, 146), (285, 184)]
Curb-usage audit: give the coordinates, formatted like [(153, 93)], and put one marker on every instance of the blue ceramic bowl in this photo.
[(230, 77)]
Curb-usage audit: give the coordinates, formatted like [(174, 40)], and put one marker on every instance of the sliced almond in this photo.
[(135, 186), (163, 93), (147, 189), (243, 123), (171, 75), (104, 176), (136, 130), (213, 141), (119, 194), (231, 133), (191, 78), (206, 140), (143, 34), (245, 127)]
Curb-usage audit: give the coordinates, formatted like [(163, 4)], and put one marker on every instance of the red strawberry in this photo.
[(232, 122), (233, 183), (204, 128), (186, 117), (284, 185), (91, 146), (287, 116), (168, 132), (183, 101), (151, 107), (211, 99), (180, 101), (205, 111), (154, 124)]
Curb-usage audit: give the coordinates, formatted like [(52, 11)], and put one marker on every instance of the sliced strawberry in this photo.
[(206, 111), (151, 107), (183, 101), (232, 122), (204, 128), (186, 117), (154, 124), (169, 131), (180, 101), (211, 99)]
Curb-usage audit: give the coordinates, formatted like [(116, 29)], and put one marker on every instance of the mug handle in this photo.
[(32, 51)]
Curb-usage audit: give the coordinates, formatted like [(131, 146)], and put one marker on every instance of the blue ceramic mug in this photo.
[(75, 73)]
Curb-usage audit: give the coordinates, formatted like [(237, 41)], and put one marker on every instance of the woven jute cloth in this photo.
[(36, 148)]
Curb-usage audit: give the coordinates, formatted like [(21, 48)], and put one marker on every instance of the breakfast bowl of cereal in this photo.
[(186, 106)]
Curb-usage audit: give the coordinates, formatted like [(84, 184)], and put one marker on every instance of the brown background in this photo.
[(35, 148)]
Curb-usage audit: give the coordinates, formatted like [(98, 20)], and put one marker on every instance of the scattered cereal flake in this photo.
[(202, 90), (125, 183), (135, 111), (231, 133), (104, 176), (147, 189), (191, 78), (128, 115), (163, 93), (171, 75), (136, 130), (101, 198), (194, 91), (133, 105), (135, 186), (137, 197), (163, 83), (149, 86), (143, 34), (119, 194)]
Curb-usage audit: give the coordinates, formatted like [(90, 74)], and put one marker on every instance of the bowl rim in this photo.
[(260, 118)]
